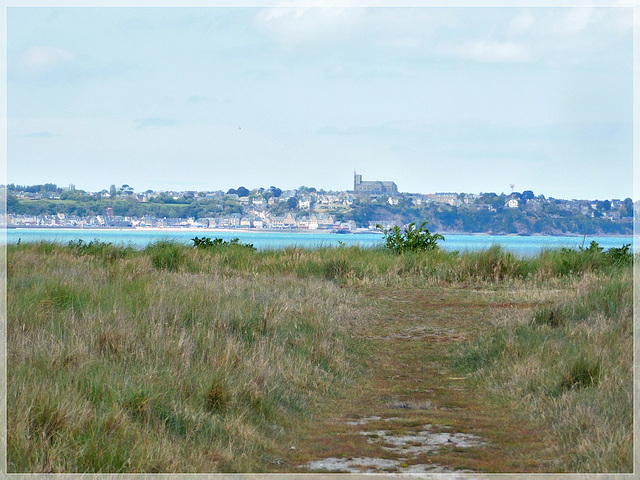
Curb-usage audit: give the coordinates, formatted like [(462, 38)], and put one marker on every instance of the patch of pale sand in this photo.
[(393, 419), (363, 420), (424, 441), (374, 465), (352, 465), (412, 405)]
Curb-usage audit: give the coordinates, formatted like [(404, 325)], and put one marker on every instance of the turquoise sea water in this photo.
[(522, 246)]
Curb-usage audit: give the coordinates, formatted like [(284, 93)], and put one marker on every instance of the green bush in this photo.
[(620, 256), (207, 243), (105, 250), (412, 240), (595, 258)]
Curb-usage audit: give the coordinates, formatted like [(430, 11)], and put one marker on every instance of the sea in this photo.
[(523, 246)]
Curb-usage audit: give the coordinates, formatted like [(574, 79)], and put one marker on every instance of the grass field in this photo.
[(178, 359)]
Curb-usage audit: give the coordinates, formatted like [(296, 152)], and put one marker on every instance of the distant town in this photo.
[(368, 204)]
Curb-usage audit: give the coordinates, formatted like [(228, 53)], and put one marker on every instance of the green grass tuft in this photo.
[(167, 255), (217, 397), (583, 373)]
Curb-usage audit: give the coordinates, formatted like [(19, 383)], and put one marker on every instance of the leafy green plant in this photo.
[(208, 243), (593, 258), (411, 240), (105, 250), (620, 256), (593, 248)]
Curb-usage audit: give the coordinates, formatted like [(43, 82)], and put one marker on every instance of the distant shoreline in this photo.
[(294, 231), (183, 229)]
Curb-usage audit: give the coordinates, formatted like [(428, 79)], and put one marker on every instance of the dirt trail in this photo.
[(412, 412)]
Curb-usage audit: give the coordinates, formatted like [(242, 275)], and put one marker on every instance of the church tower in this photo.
[(357, 180)]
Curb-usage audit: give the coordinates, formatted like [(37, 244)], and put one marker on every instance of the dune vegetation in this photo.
[(213, 357)]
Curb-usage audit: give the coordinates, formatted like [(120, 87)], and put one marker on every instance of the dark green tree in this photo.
[(276, 192), (527, 195)]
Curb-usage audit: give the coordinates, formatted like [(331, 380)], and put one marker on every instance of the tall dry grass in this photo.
[(176, 359), (349, 266), (117, 365), (568, 365)]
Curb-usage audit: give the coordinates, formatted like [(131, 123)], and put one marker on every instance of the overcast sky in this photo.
[(435, 99)]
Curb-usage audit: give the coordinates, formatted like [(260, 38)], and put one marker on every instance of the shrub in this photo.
[(620, 256), (593, 248), (412, 240), (105, 250), (207, 243)]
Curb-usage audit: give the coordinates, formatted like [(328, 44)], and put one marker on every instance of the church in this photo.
[(388, 188)]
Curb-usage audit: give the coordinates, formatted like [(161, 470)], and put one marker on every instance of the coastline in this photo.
[(296, 231), (179, 229)]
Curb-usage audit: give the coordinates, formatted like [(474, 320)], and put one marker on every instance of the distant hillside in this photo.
[(487, 213)]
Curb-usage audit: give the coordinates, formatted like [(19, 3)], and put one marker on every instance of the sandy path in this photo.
[(412, 412)]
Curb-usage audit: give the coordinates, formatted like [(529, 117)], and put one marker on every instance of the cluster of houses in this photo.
[(289, 221), (306, 201), (314, 207)]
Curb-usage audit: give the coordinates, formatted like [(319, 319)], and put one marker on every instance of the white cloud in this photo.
[(403, 42), (558, 36), (570, 36), (339, 20), (488, 51), (576, 20), (44, 59), (521, 23), (292, 25)]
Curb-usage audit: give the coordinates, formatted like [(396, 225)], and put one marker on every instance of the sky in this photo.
[(461, 99)]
